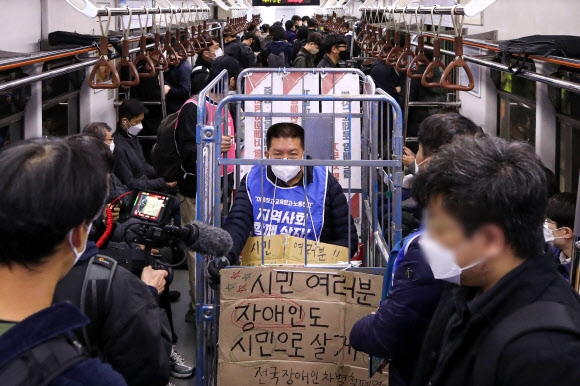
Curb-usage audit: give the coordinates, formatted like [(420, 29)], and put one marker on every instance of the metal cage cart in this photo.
[(351, 129)]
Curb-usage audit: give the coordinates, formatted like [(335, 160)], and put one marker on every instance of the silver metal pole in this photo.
[(151, 11), (459, 10)]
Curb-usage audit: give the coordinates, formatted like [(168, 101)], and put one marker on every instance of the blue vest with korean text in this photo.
[(283, 210)]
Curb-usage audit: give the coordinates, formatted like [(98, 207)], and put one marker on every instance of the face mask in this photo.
[(135, 130), (285, 172), (314, 51), (549, 234), (344, 55), (419, 164), (78, 254), (442, 260), (112, 146), (218, 53)]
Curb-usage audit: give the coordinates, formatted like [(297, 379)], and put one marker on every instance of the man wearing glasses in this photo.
[(336, 48)]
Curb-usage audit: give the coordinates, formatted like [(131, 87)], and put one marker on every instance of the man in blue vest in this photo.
[(284, 199)]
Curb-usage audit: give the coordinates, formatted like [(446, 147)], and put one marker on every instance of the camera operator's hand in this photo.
[(213, 269), (171, 184), (116, 213), (154, 278)]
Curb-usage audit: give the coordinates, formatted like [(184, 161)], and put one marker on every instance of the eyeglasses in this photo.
[(341, 46)]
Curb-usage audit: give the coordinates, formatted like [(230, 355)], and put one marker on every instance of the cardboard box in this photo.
[(289, 325), (286, 249)]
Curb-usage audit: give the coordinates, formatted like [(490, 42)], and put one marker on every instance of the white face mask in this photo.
[(78, 254), (419, 164), (314, 51), (443, 261), (549, 234), (135, 130), (112, 146), (285, 172), (218, 53)]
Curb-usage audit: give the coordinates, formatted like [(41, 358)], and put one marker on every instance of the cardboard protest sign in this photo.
[(286, 249), (282, 326)]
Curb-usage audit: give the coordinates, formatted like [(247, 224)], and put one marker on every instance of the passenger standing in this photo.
[(307, 55), (396, 330), (51, 192), (278, 52), (290, 31), (509, 318), (130, 164), (334, 45), (177, 85), (239, 49), (201, 70), (301, 40)]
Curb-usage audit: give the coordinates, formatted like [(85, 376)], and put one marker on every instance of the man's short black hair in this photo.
[(131, 108), (315, 38), (250, 35), (96, 146), (486, 180), (98, 129), (289, 24), (440, 129), (296, 18), (265, 28), (562, 209), (278, 34), (284, 130), (302, 33), (312, 23), (225, 62), (49, 186), (305, 18), (333, 40)]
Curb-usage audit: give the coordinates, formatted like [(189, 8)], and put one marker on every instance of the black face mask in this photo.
[(344, 55)]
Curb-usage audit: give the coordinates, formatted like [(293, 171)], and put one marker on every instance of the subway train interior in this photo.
[(272, 215)]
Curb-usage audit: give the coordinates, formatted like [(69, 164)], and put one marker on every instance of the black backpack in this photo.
[(276, 60), (165, 155), (41, 364), (539, 45), (538, 316)]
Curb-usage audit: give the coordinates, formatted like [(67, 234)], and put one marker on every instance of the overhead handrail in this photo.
[(143, 56), (157, 55), (458, 62), (104, 67), (413, 71), (403, 61), (396, 51), (428, 75), (170, 53), (378, 46)]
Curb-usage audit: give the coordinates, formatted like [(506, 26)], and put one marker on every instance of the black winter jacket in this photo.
[(130, 164), (133, 333), (240, 221), (304, 59), (326, 62), (462, 322), (241, 52), (179, 81), (185, 137)]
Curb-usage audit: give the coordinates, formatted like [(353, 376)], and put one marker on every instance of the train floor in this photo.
[(185, 331)]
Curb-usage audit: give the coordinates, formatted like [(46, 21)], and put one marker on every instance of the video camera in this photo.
[(154, 230)]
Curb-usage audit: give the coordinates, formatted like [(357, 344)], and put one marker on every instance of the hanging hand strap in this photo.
[(104, 68), (415, 65), (429, 74), (458, 62), (403, 61)]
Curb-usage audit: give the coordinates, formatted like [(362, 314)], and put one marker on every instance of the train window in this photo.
[(60, 100), (567, 106), (516, 85), (12, 103)]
